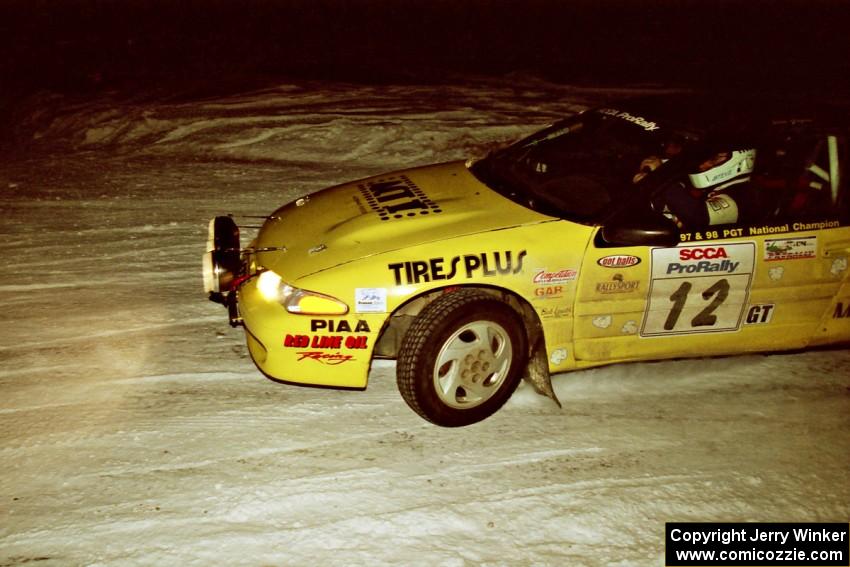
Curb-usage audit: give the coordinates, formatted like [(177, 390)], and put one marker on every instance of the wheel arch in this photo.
[(537, 368), (400, 319)]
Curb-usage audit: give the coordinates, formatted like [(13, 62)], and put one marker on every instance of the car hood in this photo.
[(380, 214)]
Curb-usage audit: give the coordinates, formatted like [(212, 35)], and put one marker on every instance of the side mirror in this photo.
[(648, 233)]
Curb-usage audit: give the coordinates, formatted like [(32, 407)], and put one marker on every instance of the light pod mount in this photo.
[(222, 260)]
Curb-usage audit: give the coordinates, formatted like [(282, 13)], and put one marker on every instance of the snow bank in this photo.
[(135, 431)]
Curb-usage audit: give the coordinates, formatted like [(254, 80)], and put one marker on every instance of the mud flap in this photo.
[(233, 310), (537, 373)]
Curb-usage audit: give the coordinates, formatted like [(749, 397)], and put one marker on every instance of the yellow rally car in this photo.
[(655, 228)]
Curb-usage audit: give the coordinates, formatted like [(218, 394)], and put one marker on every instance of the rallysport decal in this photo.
[(397, 197), (698, 289), (617, 285), (486, 265)]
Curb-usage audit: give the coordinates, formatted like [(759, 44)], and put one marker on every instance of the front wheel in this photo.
[(462, 358)]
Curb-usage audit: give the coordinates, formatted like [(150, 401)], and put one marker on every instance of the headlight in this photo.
[(295, 300)]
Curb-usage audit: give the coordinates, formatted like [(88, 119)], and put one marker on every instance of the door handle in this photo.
[(837, 248)]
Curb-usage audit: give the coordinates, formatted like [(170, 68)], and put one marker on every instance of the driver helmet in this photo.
[(724, 169)]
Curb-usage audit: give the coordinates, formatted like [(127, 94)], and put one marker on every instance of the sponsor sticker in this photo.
[(370, 300), (714, 259), (331, 342), (759, 313), (698, 289), (339, 326), (617, 285), (639, 121), (558, 312), (549, 291), (779, 249), (618, 261), (397, 197), (544, 277), (329, 358), (485, 264)]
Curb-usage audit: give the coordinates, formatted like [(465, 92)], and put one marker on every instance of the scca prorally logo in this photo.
[(703, 260), (618, 261), (707, 253), (699, 260)]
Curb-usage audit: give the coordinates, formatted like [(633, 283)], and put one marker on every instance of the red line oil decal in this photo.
[(330, 342)]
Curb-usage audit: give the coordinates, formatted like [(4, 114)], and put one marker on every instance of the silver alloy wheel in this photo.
[(472, 364)]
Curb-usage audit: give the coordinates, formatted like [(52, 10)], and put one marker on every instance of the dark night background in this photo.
[(80, 45), (134, 428), (194, 49)]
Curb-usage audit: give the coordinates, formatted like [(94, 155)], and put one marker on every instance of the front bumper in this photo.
[(332, 351)]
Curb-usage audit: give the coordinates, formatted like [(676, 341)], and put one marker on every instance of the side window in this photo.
[(843, 183), (803, 177)]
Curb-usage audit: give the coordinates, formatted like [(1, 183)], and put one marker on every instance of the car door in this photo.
[(643, 302), (819, 215), (775, 282)]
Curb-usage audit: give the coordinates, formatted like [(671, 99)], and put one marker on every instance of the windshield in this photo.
[(578, 168)]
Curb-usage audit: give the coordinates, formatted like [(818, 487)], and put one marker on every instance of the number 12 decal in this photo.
[(698, 289), (704, 318)]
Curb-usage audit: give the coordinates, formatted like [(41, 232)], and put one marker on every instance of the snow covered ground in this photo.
[(134, 429)]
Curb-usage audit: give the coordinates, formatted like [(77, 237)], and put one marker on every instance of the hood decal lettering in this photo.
[(486, 264), (397, 197)]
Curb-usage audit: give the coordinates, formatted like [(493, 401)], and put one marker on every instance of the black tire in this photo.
[(462, 358)]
